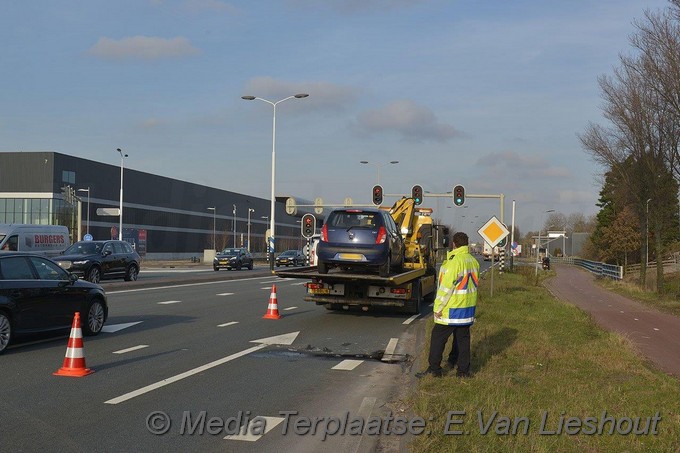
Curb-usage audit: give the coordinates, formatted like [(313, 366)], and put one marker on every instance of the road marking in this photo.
[(347, 365), (116, 327), (246, 430), (225, 294), (656, 329), (217, 282), (621, 311), (365, 409), (411, 319), (134, 348), (289, 308), (389, 350), (267, 287), (168, 302), (227, 324), (285, 339), (273, 281), (296, 284), (636, 319)]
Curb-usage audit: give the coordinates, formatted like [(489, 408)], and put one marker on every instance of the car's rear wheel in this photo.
[(5, 331), (215, 268), (384, 270), (95, 318), (94, 275), (322, 267), (250, 266), (131, 273)]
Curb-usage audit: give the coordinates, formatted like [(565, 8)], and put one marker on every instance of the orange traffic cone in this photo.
[(273, 307), (74, 361)]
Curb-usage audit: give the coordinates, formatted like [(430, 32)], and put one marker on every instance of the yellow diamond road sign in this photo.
[(493, 231)]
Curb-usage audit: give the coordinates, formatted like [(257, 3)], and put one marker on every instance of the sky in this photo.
[(490, 94)]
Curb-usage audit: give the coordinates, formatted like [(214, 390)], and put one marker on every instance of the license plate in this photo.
[(319, 291), (351, 256)]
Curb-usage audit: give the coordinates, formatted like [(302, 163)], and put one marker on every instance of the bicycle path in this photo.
[(656, 334)]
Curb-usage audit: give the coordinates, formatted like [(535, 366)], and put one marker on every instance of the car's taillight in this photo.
[(382, 236), (324, 233)]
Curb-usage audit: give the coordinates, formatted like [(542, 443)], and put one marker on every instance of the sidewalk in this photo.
[(654, 333)]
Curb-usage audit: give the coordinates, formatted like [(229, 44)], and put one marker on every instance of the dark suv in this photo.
[(290, 258), (233, 259), (360, 239), (97, 260)]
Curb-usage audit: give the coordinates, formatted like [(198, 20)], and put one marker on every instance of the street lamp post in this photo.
[(377, 166), (214, 210), (120, 221), (270, 243), (647, 235), (538, 249), (250, 210), (234, 224), (87, 227)]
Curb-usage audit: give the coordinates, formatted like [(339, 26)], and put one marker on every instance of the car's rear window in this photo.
[(345, 219)]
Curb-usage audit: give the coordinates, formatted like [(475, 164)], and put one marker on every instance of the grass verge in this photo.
[(536, 363), (668, 301)]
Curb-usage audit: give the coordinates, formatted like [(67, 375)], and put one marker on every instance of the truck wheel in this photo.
[(322, 267), (384, 270), (412, 306)]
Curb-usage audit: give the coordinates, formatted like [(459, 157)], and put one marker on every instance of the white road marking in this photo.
[(636, 319), (227, 324), (217, 282), (656, 329), (168, 302), (296, 284), (621, 311), (267, 287), (347, 365), (225, 294), (411, 319), (116, 327), (134, 348), (289, 308), (389, 350), (354, 442), (273, 281), (284, 339), (246, 431)]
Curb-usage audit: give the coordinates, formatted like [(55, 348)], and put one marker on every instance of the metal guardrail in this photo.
[(594, 267)]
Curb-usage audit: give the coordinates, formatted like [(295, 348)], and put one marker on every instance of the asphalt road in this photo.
[(197, 350)]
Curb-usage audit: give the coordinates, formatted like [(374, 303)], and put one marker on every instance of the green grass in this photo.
[(668, 301), (532, 354)]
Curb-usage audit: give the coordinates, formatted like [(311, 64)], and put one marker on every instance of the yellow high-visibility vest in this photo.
[(457, 293)]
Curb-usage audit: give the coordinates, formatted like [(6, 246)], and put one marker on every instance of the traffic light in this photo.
[(459, 195), (417, 194), (308, 225), (377, 195)]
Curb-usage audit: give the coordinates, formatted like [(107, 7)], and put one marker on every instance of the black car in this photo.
[(360, 239), (233, 259), (37, 295), (97, 260), (290, 258)]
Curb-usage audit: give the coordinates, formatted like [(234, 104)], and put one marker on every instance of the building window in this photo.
[(69, 177)]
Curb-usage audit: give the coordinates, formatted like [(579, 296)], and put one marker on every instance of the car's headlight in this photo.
[(64, 264), (216, 259)]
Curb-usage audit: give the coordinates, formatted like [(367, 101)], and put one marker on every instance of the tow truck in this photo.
[(405, 291)]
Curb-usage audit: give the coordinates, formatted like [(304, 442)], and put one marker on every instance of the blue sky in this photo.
[(490, 94)]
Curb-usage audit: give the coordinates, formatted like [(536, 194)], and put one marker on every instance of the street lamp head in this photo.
[(251, 210), (248, 98), (394, 161), (301, 95), (84, 190), (211, 209), (550, 210), (363, 162)]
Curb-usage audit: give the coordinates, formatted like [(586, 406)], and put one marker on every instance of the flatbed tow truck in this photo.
[(405, 291)]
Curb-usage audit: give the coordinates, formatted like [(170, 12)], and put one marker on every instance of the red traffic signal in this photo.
[(377, 195), (308, 225)]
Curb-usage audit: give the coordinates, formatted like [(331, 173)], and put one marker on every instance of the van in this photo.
[(49, 240)]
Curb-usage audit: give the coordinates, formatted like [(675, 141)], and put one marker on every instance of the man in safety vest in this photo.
[(454, 309)]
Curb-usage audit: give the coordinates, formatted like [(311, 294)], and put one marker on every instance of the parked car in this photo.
[(291, 258), (98, 260), (37, 295), (360, 239), (233, 259)]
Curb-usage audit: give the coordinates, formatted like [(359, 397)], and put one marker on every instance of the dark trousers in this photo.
[(460, 353)]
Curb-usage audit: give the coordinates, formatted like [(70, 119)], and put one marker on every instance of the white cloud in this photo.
[(408, 119), (143, 48)]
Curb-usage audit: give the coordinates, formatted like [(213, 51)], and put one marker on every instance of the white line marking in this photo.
[(656, 329), (227, 324), (134, 348), (636, 319), (389, 350), (116, 327), (246, 431), (168, 302), (225, 294), (217, 282), (273, 281), (267, 287), (296, 284), (184, 375), (411, 319), (354, 442), (347, 365), (289, 308)]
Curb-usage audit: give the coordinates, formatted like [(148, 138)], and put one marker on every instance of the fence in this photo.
[(595, 267)]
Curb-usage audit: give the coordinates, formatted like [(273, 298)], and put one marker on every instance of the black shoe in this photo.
[(434, 373), (451, 364), (462, 374)]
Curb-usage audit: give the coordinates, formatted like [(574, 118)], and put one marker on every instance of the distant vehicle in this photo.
[(360, 239), (233, 259), (98, 260), (489, 252), (48, 240), (290, 258), (37, 295)]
